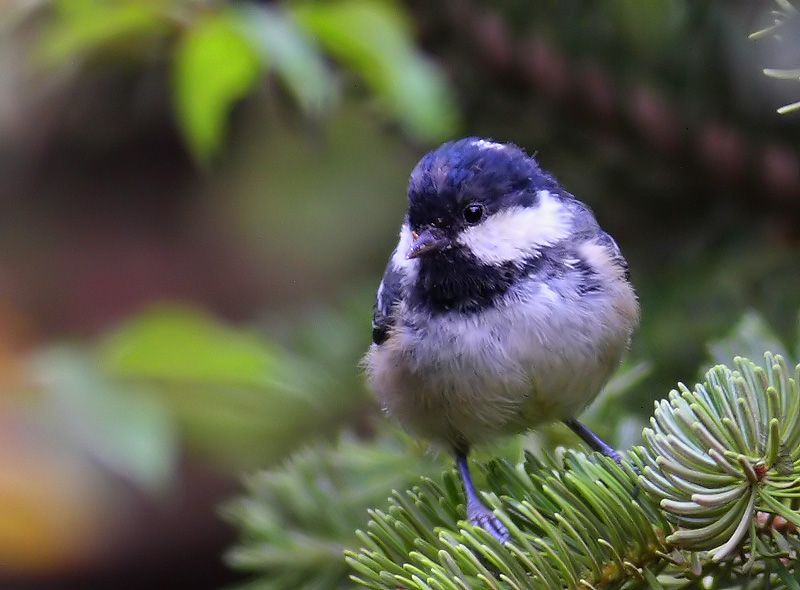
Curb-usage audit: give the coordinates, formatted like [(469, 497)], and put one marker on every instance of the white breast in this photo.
[(540, 356)]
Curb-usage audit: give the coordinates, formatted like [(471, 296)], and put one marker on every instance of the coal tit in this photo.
[(504, 306)]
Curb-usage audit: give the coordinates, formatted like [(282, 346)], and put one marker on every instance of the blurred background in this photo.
[(197, 198)]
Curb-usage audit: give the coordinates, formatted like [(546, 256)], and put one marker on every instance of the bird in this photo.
[(504, 306)]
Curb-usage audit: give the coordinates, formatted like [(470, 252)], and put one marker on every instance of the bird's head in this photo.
[(487, 202)]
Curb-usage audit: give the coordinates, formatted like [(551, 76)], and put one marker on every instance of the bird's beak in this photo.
[(430, 240)]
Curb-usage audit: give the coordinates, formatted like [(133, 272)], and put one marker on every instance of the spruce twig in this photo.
[(715, 460), (708, 501)]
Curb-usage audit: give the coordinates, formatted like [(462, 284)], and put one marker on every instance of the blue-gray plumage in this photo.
[(504, 305)]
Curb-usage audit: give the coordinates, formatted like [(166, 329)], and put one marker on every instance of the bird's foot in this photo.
[(598, 444), (480, 516), (617, 457)]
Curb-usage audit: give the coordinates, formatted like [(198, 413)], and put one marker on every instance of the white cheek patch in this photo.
[(399, 258), (482, 144), (518, 232)]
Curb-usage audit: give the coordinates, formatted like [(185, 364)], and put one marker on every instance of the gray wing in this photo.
[(619, 259), (389, 293)]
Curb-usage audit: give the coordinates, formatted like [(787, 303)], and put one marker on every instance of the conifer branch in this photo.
[(716, 461)]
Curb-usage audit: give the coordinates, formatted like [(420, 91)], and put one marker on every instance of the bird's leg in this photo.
[(594, 441), (478, 513)]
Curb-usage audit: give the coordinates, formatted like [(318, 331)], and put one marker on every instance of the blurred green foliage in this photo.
[(215, 66), (294, 55), (79, 29), (297, 520), (177, 344), (236, 396), (410, 87), (119, 426), (219, 51), (751, 335)]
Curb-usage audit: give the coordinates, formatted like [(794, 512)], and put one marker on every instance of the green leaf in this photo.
[(215, 66), (121, 427), (373, 39), (293, 55), (235, 395), (88, 25), (184, 345)]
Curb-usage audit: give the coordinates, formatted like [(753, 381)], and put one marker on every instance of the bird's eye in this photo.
[(473, 213)]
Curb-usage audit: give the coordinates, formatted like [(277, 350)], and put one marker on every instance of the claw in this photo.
[(481, 516), (477, 513)]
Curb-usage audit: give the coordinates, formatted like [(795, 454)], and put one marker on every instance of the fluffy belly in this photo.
[(462, 380)]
